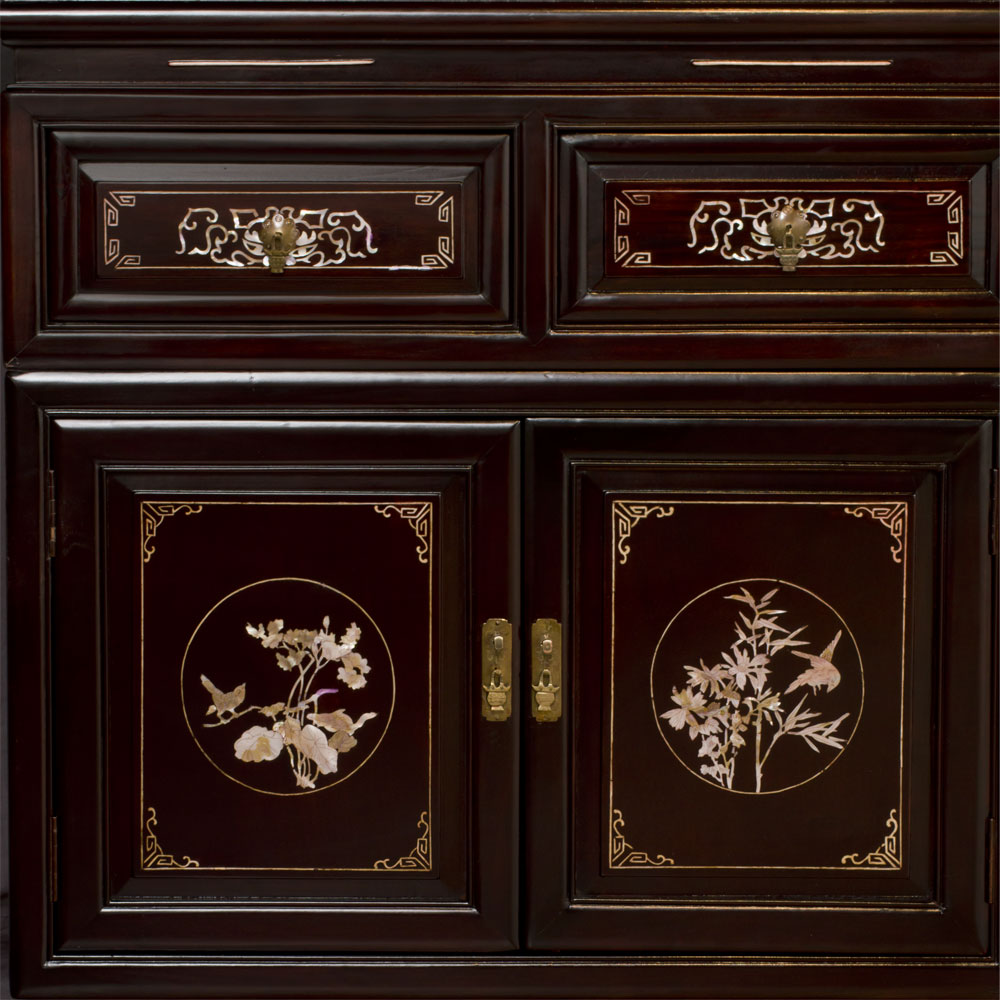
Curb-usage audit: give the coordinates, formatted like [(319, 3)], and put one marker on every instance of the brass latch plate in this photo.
[(546, 670), (497, 654)]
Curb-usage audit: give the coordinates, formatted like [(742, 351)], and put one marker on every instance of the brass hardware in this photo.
[(496, 685), (278, 234), (749, 230), (546, 670), (788, 228)]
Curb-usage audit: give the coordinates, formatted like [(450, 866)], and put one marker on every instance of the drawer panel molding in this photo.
[(366, 230), (664, 229)]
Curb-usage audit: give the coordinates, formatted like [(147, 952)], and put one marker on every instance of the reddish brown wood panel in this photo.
[(318, 760), (283, 288), (258, 227), (703, 806), (744, 57), (678, 230), (370, 229), (121, 440), (530, 275), (776, 686), (332, 651), (671, 227)]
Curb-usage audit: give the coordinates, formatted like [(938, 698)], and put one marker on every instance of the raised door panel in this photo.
[(776, 679), (262, 682)]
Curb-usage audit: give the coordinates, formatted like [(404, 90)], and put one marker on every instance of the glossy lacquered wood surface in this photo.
[(526, 304), (717, 878), (166, 431), (657, 227), (179, 442), (403, 226)]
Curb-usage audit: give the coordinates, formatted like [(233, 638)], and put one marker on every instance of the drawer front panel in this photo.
[(468, 66), (234, 230), (729, 230), (266, 228), (789, 228)]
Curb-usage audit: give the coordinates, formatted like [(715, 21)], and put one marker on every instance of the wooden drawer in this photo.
[(263, 228), (662, 228), (547, 44)]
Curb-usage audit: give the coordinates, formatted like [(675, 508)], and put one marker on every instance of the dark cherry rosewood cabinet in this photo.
[(501, 499)]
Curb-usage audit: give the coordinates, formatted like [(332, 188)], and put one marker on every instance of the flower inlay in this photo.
[(763, 694)]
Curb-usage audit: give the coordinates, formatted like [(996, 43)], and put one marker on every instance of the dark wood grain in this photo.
[(145, 430), (634, 254), (430, 234), (521, 317), (104, 874), (579, 469), (523, 390)]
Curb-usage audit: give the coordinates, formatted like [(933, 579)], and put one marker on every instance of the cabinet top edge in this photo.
[(315, 21)]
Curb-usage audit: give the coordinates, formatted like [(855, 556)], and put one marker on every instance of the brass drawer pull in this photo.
[(789, 231), (278, 234), (496, 696), (546, 670)]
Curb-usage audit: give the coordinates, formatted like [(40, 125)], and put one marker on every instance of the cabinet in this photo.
[(332, 335)]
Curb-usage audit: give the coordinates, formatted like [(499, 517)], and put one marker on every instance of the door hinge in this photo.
[(994, 527), (991, 860), (50, 513), (53, 859)]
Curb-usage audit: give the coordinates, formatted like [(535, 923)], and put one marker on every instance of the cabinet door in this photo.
[(264, 688), (776, 732)]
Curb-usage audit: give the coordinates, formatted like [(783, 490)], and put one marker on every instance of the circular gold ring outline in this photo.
[(730, 583), (392, 674)]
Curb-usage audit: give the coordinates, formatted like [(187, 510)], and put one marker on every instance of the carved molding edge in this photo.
[(419, 859), (419, 517), (886, 855), (892, 515), (624, 855), (153, 856), (627, 515), (153, 515)]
